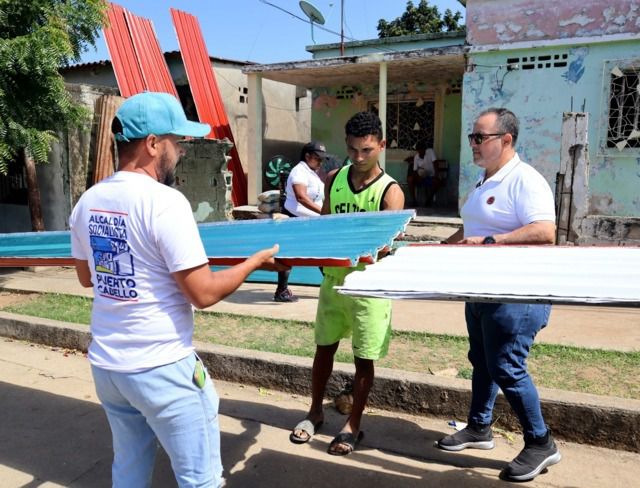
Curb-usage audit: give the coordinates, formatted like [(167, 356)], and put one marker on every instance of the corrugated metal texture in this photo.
[(138, 62), (122, 53), (152, 63), (206, 94), (104, 162), (338, 240), (545, 274)]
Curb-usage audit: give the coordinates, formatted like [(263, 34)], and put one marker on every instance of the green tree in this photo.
[(422, 19), (37, 38)]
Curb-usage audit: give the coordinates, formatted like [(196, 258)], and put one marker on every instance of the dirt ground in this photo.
[(11, 298)]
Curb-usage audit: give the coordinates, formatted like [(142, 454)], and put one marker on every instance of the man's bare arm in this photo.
[(535, 233), (394, 198), (204, 287), (84, 273), (326, 204)]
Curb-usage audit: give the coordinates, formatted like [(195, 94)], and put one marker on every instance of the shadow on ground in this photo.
[(66, 441)]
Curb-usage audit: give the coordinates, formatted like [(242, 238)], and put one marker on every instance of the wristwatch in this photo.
[(489, 240)]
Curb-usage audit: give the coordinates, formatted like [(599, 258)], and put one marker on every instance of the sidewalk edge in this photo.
[(589, 419)]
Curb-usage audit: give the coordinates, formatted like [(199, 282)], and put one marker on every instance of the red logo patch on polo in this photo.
[(490, 200)]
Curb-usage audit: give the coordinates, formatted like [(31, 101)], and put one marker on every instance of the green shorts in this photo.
[(368, 320)]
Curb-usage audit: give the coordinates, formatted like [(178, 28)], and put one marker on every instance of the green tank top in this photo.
[(343, 198)]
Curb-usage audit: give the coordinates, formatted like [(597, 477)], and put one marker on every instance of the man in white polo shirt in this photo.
[(510, 204)]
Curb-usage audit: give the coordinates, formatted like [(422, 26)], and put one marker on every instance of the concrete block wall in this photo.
[(202, 176), (617, 231)]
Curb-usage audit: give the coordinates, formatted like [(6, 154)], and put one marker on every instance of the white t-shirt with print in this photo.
[(301, 174), (134, 232), (515, 196)]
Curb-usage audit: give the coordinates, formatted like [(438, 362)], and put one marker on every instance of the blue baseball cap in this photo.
[(154, 113)]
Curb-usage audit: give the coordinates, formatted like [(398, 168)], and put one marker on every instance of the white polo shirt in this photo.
[(515, 196), (301, 174)]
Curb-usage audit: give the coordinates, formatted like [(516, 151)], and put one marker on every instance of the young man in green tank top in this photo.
[(362, 186)]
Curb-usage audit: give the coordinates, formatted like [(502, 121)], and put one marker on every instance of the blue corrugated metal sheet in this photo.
[(340, 240)]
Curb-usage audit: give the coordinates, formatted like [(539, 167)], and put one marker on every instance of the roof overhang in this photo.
[(417, 65)]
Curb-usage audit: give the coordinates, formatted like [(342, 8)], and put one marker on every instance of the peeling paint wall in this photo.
[(539, 96), (508, 21)]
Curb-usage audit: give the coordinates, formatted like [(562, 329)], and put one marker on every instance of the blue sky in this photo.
[(254, 31)]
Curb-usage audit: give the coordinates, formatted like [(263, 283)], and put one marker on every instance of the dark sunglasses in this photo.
[(477, 138)]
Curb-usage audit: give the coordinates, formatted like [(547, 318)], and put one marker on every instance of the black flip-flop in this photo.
[(306, 426), (346, 438)]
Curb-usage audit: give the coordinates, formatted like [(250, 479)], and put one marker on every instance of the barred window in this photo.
[(624, 108), (13, 185), (408, 122)]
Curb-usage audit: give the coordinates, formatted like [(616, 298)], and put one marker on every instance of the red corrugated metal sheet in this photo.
[(154, 67), (136, 55), (122, 53), (206, 95)]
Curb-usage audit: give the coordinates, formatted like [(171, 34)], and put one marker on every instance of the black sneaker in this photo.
[(532, 460), (470, 436), (285, 296)]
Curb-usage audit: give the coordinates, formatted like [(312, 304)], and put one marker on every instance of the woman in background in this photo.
[(304, 197)]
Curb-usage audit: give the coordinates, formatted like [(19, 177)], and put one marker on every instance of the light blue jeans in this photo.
[(162, 404), (500, 338)]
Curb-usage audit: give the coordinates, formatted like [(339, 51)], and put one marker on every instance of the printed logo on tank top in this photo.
[(114, 266), (347, 207)]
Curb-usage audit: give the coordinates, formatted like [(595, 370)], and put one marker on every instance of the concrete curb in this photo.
[(589, 419)]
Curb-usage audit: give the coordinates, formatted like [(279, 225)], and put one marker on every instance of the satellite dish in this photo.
[(313, 14)]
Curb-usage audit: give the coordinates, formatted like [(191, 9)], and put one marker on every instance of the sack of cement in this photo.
[(271, 196)]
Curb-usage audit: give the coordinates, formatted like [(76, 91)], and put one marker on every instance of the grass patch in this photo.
[(567, 368), (66, 308)]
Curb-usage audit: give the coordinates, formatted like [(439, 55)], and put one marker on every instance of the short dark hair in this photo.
[(507, 122), (364, 124)]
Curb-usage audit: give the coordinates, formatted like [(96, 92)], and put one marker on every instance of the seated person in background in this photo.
[(421, 172), (305, 193)]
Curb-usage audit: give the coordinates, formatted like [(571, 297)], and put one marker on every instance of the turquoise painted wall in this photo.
[(451, 143), (539, 97), (328, 118), (376, 46), (391, 44), (330, 114)]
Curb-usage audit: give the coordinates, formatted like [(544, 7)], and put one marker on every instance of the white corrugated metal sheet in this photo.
[(549, 274)]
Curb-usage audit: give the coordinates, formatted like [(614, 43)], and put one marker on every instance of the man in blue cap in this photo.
[(137, 244)]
